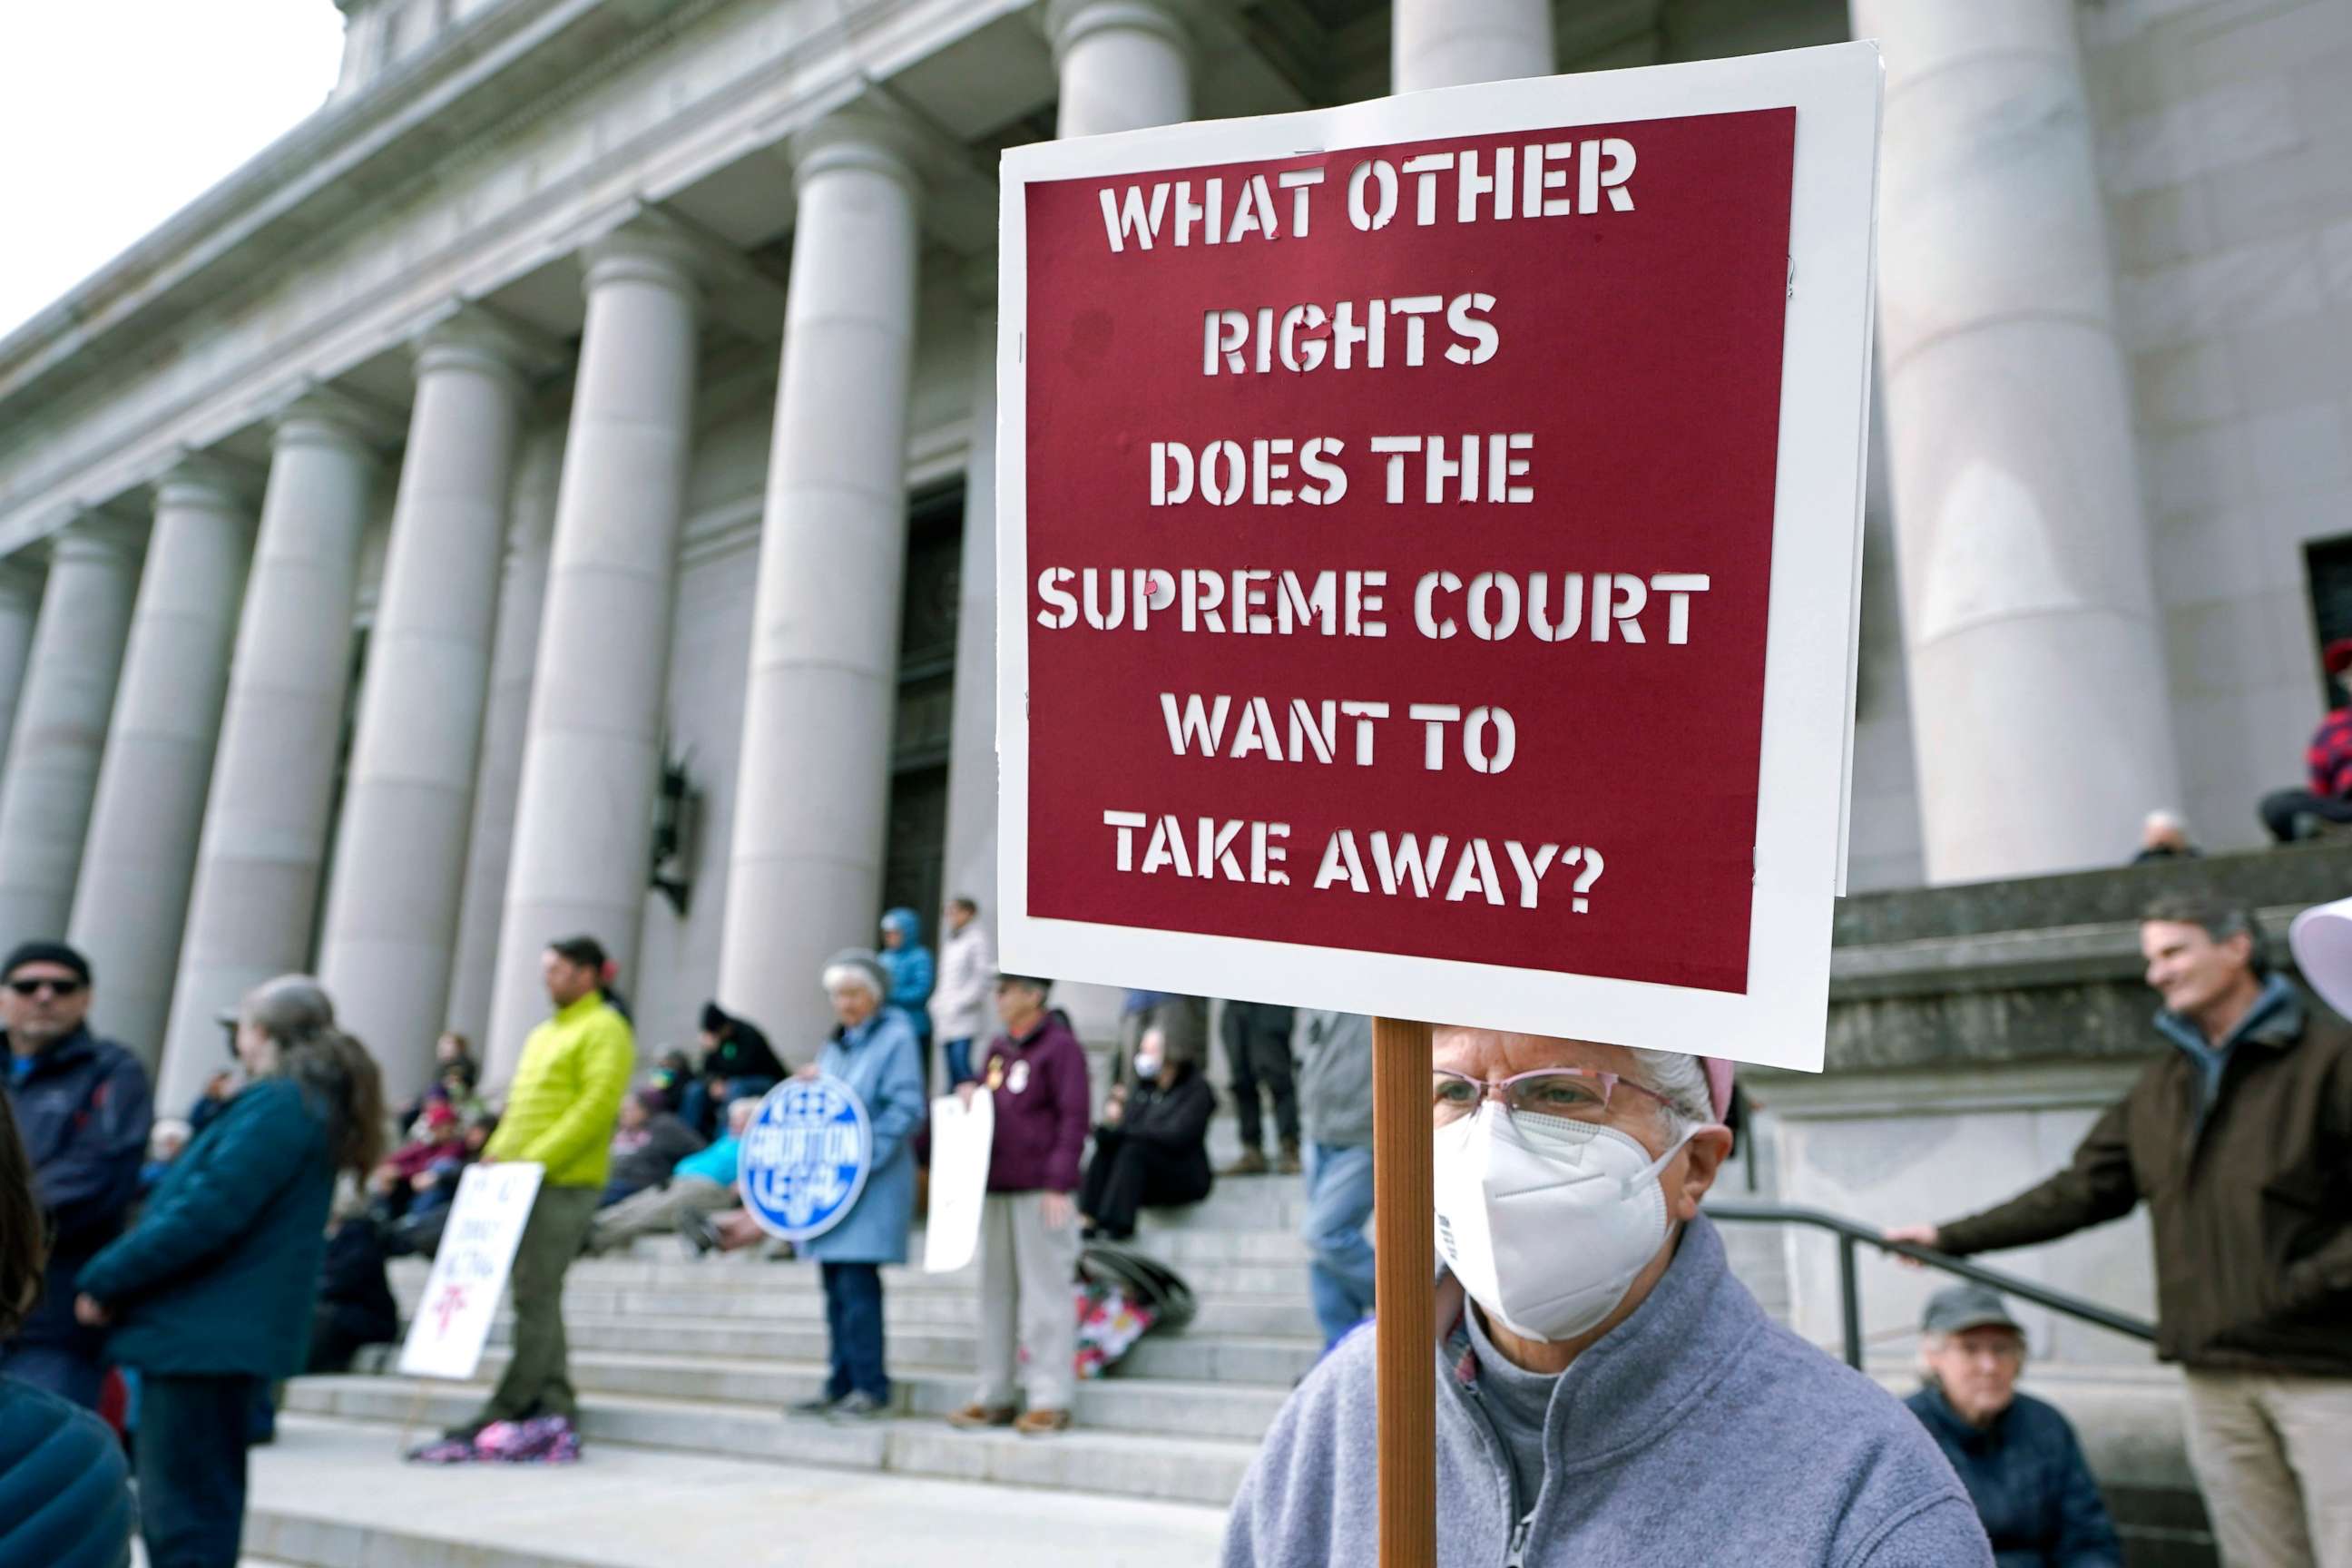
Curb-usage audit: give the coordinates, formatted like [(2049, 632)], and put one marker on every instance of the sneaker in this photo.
[(976, 1414), (1288, 1164), (821, 1405), (859, 1406), (1038, 1423), (1251, 1163), (444, 1451), (465, 1431), (698, 1233)]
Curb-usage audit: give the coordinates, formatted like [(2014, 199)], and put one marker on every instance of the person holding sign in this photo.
[(875, 1052), (1611, 1396), (209, 1296), (561, 1111), (1036, 1076)]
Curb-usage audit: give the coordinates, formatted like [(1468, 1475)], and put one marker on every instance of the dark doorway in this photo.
[(913, 857)]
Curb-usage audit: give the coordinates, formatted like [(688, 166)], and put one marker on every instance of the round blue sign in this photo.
[(806, 1157)]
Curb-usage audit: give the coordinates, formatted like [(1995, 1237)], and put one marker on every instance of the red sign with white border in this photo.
[(1426, 532)]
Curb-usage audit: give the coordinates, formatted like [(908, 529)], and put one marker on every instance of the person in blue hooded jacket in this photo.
[(874, 1053), (209, 1295), (906, 966), (65, 1492)]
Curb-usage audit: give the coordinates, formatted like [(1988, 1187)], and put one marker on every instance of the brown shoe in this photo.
[(972, 1416), (1037, 1423), (1288, 1164), (1251, 1163)]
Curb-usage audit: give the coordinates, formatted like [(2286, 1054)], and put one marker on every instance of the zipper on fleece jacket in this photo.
[(1515, 1554)]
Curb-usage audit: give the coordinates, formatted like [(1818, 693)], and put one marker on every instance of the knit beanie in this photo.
[(55, 952)]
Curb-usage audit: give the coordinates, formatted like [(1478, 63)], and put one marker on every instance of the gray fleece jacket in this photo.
[(1697, 1431)]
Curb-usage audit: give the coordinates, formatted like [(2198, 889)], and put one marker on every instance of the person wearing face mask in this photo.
[(1152, 1143), (1609, 1394)]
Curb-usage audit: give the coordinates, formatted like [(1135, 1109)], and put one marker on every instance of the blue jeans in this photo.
[(852, 1320), (56, 1368), (959, 1061), (1339, 1201), (191, 1447)]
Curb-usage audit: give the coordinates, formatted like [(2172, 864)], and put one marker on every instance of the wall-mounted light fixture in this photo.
[(677, 812)]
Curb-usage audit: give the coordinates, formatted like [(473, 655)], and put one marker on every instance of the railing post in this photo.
[(1849, 1301)]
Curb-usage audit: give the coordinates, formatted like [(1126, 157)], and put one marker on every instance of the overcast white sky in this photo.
[(114, 114)]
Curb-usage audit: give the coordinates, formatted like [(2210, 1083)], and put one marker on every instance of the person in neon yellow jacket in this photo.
[(560, 1112)]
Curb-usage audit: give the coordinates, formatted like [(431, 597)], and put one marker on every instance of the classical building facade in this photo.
[(549, 489)]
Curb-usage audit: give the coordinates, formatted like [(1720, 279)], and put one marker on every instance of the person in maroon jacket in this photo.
[(1035, 1073)]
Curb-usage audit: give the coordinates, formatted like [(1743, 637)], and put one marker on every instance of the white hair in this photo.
[(842, 976), (1678, 1078), (2168, 821), (740, 1111)]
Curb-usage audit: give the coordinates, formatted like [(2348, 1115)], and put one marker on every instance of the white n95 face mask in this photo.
[(1546, 1222)]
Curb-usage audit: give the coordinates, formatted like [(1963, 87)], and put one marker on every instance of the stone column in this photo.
[(265, 834), (132, 902), (1449, 43), (814, 788), (61, 722), (20, 608), (971, 743), (1124, 65), (489, 845), (2028, 605), (399, 865), (584, 814)]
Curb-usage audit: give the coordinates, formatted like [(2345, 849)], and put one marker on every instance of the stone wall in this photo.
[(1975, 1033), (2225, 131)]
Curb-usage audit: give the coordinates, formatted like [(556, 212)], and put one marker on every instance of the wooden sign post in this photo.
[(1423, 531), (1404, 1248)]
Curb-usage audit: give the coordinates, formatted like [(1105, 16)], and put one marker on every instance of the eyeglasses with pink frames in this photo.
[(1565, 1094)]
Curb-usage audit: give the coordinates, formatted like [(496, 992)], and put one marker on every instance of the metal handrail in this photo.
[(1852, 1234)]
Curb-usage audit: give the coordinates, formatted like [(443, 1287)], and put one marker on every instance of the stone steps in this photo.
[(331, 1494), (1257, 1317), (1240, 1359), (1118, 1403), (676, 1355), (1104, 1463)]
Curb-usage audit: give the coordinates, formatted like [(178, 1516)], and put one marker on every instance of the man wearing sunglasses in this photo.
[(1609, 1396), (83, 1106)]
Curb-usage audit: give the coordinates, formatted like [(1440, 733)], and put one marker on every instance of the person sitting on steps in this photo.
[(1151, 1144)]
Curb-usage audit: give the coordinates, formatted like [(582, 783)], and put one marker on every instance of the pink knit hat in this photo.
[(1718, 1083)]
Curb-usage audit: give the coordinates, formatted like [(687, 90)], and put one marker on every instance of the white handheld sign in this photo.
[(961, 1139), (478, 1249)]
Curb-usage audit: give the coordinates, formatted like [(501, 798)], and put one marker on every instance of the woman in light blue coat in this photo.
[(875, 1052)]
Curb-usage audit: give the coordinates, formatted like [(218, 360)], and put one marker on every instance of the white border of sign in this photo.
[(1809, 678)]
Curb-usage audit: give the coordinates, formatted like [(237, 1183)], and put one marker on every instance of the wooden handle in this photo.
[(1405, 1262)]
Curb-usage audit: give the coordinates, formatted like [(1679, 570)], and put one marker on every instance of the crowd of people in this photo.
[(177, 1268)]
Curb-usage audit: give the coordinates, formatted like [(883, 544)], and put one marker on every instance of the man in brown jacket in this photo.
[(2239, 1139)]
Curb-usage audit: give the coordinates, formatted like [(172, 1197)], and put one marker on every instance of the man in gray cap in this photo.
[(2017, 1456)]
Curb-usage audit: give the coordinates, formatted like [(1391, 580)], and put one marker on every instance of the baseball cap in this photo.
[(1964, 1307)]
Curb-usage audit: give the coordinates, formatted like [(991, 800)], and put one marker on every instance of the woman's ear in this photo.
[(1694, 1170)]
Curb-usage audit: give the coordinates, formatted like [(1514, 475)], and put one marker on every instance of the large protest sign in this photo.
[(1430, 545), (469, 1270), (961, 1139), (807, 1156)]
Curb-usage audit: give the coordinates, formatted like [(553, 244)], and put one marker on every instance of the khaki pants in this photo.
[(2272, 1454), (1026, 1270), (658, 1208), (537, 1380)]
